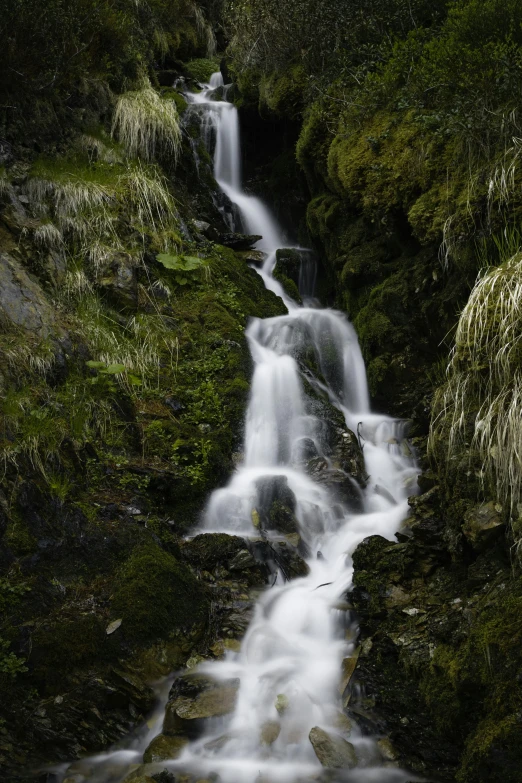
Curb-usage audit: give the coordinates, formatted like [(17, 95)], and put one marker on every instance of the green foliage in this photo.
[(184, 266), (329, 37), (11, 592), (92, 40), (10, 664), (145, 123), (202, 69)]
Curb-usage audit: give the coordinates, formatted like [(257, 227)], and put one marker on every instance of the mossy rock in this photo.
[(201, 69), (283, 93), (163, 748), (289, 286), (156, 595), (208, 550)]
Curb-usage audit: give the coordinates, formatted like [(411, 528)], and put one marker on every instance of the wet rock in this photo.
[(208, 231), (288, 263), (201, 225), (218, 743), (483, 524), (342, 484), (387, 750), (342, 723), (348, 667), (255, 257), (289, 560), (162, 748), (194, 700), (239, 241), (144, 773), (280, 556), (214, 551), (332, 750), (346, 454), (270, 731), (120, 283), (242, 561), (6, 151), (276, 505), (23, 303)]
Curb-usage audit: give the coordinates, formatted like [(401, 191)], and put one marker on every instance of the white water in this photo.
[(298, 636)]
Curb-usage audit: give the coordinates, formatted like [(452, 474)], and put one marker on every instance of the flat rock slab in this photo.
[(184, 713), (331, 750)]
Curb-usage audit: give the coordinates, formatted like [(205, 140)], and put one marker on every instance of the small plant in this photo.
[(11, 593), (59, 486), (10, 664), (106, 372), (182, 265)]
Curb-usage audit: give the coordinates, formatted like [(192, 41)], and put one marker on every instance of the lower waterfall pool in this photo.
[(283, 698)]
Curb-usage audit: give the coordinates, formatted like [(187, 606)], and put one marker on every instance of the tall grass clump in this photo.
[(144, 123), (85, 207), (143, 346), (478, 409)]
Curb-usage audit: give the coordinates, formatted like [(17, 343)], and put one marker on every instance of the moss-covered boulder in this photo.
[(155, 595)]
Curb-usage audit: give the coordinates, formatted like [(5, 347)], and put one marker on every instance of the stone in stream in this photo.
[(332, 750), (194, 699), (163, 748), (239, 241), (255, 257), (276, 505), (144, 773), (348, 667), (270, 731)]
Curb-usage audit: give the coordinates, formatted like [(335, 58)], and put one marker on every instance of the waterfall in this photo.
[(296, 640), (289, 664)]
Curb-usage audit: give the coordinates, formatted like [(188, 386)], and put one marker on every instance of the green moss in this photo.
[(289, 286), (201, 69), (170, 94), (469, 688), (156, 595), (283, 93), (65, 642)]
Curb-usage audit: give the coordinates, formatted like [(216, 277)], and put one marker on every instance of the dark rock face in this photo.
[(23, 303), (288, 263), (276, 505), (427, 616), (239, 241)]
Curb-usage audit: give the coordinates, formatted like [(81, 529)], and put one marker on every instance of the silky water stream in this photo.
[(289, 664)]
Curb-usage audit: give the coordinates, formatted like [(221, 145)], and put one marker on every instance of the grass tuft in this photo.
[(144, 122), (478, 408)]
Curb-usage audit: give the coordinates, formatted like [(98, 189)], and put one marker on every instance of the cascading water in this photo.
[(290, 659), (289, 664)]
